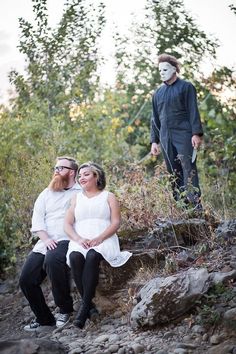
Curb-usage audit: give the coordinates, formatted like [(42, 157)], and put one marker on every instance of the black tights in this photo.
[(85, 272)]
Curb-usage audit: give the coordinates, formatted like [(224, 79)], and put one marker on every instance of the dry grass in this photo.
[(146, 198)]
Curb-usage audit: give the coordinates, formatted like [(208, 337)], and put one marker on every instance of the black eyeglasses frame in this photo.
[(61, 168)]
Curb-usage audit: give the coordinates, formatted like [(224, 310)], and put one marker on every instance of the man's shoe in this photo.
[(62, 319), (37, 327)]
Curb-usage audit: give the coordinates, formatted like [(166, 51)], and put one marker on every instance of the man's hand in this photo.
[(196, 141), (155, 149), (50, 244)]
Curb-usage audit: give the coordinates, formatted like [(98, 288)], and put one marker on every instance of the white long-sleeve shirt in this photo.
[(49, 213)]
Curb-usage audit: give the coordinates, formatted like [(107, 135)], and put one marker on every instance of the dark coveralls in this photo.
[(175, 119)]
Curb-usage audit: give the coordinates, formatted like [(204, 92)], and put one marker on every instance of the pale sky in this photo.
[(214, 17)]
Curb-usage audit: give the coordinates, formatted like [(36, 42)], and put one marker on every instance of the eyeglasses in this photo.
[(61, 168)]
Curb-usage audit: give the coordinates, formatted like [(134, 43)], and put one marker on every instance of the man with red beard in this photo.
[(48, 256)]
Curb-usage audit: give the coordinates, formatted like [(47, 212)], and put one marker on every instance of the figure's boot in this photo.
[(82, 315)]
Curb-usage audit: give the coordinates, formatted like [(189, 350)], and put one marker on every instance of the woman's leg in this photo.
[(90, 279), (91, 275), (77, 262)]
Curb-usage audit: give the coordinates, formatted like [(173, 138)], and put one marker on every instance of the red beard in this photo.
[(58, 182)]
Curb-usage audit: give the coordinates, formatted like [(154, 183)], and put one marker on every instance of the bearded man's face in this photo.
[(59, 182)]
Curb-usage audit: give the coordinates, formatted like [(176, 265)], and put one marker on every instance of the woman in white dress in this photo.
[(91, 223)]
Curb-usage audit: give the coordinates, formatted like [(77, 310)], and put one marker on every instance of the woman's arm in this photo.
[(69, 225), (115, 221)]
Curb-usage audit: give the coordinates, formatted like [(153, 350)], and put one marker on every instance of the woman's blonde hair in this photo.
[(98, 172)]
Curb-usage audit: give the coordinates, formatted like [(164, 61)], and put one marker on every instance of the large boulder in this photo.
[(31, 346), (165, 299)]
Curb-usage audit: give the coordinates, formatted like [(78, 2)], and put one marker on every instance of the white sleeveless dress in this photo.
[(92, 217)]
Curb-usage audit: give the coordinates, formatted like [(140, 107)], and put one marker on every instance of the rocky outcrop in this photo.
[(162, 300), (167, 233), (113, 279), (165, 299), (148, 249)]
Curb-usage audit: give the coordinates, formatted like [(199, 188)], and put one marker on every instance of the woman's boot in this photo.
[(82, 315)]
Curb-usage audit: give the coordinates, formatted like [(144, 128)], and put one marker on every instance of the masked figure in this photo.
[(177, 129)]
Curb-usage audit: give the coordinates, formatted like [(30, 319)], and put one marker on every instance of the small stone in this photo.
[(198, 339), (113, 348), (138, 348), (118, 314), (114, 338), (186, 346), (102, 338), (91, 351), (121, 351), (107, 328), (75, 350), (198, 329), (187, 338), (215, 339), (168, 335), (233, 265), (230, 315), (180, 351)]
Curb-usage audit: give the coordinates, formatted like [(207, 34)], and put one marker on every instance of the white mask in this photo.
[(166, 71)]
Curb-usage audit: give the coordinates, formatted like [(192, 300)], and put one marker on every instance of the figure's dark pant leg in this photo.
[(174, 167), (190, 177), (59, 274), (31, 277)]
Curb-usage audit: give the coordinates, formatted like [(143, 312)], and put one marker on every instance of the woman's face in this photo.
[(87, 178)]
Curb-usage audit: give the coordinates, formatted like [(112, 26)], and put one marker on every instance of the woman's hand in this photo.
[(96, 241), (84, 242)]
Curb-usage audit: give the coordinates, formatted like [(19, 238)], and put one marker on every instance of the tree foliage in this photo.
[(61, 62)]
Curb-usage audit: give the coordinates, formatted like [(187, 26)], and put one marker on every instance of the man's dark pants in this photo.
[(37, 266)]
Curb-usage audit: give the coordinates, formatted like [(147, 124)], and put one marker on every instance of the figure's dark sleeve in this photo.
[(192, 108), (155, 123)]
